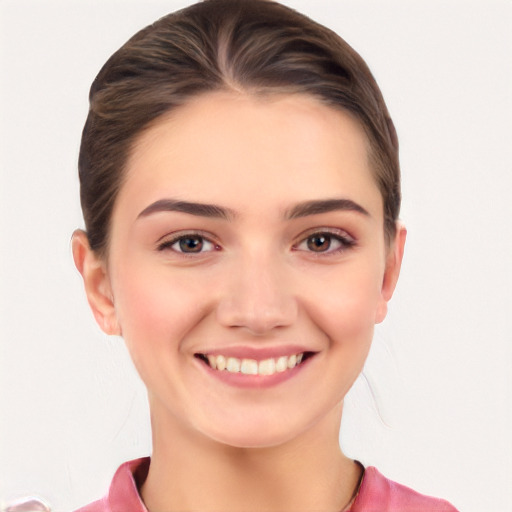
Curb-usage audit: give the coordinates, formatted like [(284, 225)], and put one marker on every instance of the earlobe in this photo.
[(96, 283), (392, 271)]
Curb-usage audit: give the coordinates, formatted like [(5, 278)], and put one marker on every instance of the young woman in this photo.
[(240, 188)]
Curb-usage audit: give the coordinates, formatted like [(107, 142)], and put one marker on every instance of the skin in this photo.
[(258, 282)]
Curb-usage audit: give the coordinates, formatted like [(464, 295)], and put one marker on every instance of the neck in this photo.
[(190, 472)]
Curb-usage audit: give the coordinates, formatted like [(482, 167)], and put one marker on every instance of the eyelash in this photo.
[(167, 244), (346, 242), (344, 239)]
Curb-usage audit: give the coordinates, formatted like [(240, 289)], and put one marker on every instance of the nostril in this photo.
[(257, 303)]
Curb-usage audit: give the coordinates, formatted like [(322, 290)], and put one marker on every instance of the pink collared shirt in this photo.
[(376, 494)]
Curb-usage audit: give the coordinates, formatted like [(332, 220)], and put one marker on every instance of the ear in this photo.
[(394, 256), (96, 282)]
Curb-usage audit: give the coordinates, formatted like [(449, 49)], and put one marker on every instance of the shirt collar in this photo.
[(124, 494)]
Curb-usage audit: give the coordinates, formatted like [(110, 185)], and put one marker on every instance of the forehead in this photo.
[(237, 147)]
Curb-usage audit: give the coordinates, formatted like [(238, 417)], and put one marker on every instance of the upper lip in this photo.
[(256, 353)]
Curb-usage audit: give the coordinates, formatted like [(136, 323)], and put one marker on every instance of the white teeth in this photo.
[(221, 363), (292, 361), (267, 367), (233, 365), (253, 367), (282, 364), (249, 367)]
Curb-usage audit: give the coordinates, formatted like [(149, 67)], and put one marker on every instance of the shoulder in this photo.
[(123, 493), (379, 494)]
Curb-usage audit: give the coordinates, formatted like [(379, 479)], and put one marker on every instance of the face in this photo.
[(247, 265)]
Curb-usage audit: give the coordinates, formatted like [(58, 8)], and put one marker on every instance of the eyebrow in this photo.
[(198, 209), (314, 207)]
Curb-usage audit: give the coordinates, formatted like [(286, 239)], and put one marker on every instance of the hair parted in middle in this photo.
[(256, 47)]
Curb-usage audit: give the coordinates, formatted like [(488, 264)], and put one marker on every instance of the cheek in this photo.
[(346, 309), (157, 308)]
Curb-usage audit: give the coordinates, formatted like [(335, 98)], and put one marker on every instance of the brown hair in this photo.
[(257, 46)]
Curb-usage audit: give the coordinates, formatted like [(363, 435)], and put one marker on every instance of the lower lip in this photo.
[(242, 380)]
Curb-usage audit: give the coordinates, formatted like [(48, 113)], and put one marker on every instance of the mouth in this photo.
[(265, 367)]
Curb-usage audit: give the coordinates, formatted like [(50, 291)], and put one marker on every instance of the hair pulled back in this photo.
[(257, 46)]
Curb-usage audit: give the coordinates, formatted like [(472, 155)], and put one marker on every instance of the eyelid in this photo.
[(168, 240), (347, 241), (342, 233)]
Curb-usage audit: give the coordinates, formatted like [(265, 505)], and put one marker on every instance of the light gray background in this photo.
[(72, 408)]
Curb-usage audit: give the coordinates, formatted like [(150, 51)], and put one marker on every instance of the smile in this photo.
[(252, 366)]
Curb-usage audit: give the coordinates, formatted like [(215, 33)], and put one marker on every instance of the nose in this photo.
[(258, 296)]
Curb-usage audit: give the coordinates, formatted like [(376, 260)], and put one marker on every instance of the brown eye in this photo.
[(191, 243), (188, 244), (326, 243), (319, 242)]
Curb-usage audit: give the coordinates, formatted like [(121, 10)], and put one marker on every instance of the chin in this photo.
[(258, 433), (258, 440)]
